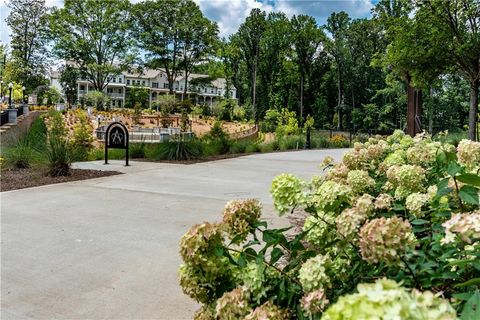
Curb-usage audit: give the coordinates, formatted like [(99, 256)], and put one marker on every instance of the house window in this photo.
[(211, 91), (128, 82), (109, 90), (205, 90), (143, 82), (120, 90), (154, 84), (165, 86), (114, 80), (181, 88), (119, 80)]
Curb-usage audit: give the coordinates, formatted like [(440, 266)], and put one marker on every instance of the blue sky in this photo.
[(229, 14)]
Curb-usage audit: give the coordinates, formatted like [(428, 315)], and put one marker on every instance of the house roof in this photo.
[(144, 74)]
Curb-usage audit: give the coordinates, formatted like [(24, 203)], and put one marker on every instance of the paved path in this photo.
[(107, 248)]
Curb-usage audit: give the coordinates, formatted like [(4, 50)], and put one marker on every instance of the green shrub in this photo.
[(253, 147), (137, 150), (389, 232), (453, 137), (217, 140), (21, 156), (178, 150), (81, 143), (37, 134), (268, 146), (292, 142), (319, 141), (239, 146), (58, 156)]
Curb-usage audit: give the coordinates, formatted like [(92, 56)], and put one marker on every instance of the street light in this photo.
[(67, 88), (23, 94), (10, 87)]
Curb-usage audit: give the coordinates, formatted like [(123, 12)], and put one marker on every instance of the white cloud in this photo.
[(230, 14)]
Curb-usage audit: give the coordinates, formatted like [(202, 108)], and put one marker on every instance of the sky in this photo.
[(229, 14)]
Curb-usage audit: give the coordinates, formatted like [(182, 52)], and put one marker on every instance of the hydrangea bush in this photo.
[(392, 232)]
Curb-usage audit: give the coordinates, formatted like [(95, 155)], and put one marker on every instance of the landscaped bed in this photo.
[(13, 179)]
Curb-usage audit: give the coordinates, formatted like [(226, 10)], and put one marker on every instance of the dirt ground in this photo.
[(13, 179)]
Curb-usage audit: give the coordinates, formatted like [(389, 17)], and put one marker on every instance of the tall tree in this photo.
[(69, 75), (158, 25), (275, 46), (95, 36), (199, 38), (337, 25), (250, 35), (307, 39), (27, 22), (457, 35)]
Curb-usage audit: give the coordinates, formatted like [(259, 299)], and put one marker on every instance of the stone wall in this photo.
[(10, 133)]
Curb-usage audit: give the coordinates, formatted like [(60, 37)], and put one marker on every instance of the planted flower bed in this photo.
[(392, 232)]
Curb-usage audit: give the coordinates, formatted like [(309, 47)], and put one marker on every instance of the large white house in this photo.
[(157, 84)]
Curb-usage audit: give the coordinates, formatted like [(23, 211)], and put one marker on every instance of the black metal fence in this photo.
[(19, 111), (4, 118)]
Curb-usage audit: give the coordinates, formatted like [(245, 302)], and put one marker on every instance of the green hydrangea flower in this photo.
[(239, 216), (287, 192), (386, 299)]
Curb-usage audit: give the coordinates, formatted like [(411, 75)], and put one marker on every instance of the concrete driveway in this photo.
[(107, 248)]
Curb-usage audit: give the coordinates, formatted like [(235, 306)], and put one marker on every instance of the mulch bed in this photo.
[(13, 179)]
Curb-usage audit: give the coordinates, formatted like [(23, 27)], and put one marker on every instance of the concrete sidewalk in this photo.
[(107, 248)]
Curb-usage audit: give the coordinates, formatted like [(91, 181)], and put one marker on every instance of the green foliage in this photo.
[(22, 155), (291, 142), (57, 152), (98, 99), (28, 150), (28, 40), (81, 143), (393, 214), (137, 150), (218, 141), (177, 150), (137, 95), (109, 27)]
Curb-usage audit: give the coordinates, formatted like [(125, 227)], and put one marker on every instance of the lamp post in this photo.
[(10, 87), (23, 94), (12, 113), (67, 88)]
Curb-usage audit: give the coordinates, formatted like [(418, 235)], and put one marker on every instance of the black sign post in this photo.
[(116, 137)]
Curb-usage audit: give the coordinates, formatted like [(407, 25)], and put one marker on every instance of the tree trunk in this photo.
[(254, 92), (472, 114), (430, 113), (301, 98), (186, 83), (414, 109), (340, 98)]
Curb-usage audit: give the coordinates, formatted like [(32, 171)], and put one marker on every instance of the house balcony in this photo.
[(115, 95)]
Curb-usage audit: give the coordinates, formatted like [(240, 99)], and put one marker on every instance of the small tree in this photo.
[(68, 79), (166, 103), (82, 137), (97, 99)]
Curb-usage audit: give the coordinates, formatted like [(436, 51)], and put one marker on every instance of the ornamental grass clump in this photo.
[(397, 220)]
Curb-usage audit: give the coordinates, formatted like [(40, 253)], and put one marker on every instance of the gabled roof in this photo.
[(144, 74)]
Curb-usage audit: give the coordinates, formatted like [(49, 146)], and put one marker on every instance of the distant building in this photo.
[(203, 92)]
